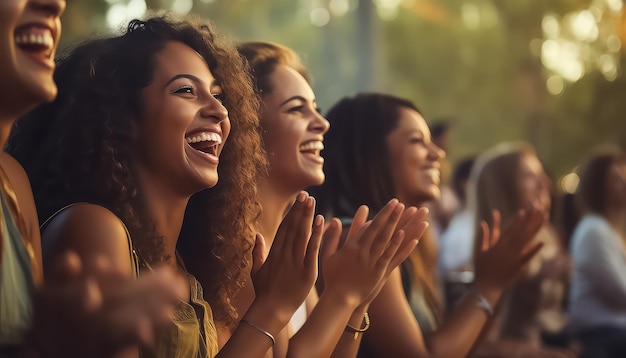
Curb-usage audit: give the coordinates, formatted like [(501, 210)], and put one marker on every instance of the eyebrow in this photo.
[(192, 78), (300, 98)]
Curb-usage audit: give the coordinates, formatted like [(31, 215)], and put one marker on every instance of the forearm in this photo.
[(349, 342), (323, 329), (463, 327)]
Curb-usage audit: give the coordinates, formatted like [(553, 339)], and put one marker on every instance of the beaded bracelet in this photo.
[(268, 334), (356, 331)]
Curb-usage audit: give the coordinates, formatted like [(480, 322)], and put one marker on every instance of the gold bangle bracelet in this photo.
[(268, 334), (356, 331)]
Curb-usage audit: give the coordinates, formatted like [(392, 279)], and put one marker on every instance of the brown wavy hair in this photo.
[(263, 57), (79, 148)]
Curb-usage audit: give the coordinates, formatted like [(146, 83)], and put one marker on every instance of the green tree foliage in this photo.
[(479, 61)]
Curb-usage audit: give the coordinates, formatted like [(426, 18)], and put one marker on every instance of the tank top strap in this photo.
[(11, 199), (134, 257)]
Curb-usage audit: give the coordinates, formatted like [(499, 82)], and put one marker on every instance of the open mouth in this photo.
[(312, 147), (35, 39), (205, 142)]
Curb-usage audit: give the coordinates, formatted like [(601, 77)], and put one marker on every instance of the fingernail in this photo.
[(310, 202), (301, 196), (318, 220), (393, 201)]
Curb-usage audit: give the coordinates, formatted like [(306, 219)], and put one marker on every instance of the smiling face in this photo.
[(183, 126), (293, 131), (29, 34), (414, 159), (533, 184)]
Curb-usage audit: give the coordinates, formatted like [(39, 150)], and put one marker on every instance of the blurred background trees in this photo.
[(547, 72)]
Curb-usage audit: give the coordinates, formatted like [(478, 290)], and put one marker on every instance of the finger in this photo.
[(415, 228), (91, 295), (283, 241), (407, 217), (360, 218), (366, 237), (531, 253), (495, 228), (259, 252), (390, 251), (303, 230), (331, 238), (313, 248), (381, 239), (68, 266), (483, 235)]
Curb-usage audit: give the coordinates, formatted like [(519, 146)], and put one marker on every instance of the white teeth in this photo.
[(205, 137), (44, 39), (314, 145)]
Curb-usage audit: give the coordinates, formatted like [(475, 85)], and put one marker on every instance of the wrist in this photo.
[(268, 316), (489, 293), (357, 315), (340, 300), (357, 330)]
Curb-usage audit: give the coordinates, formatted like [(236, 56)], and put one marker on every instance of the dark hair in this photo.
[(591, 192), (461, 175), (440, 126), (263, 57), (79, 148), (356, 155)]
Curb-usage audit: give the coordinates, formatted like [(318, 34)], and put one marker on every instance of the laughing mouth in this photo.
[(206, 142), (312, 147), (35, 39)]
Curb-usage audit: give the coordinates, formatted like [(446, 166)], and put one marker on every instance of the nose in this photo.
[(215, 110), (319, 123), (435, 152), (52, 8)]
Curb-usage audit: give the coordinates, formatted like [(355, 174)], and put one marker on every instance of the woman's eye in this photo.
[(219, 97), (296, 109), (417, 140), (186, 90)]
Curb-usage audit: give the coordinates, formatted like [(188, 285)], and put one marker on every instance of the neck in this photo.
[(166, 208), (275, 203)]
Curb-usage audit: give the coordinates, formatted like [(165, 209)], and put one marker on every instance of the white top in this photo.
[(457, 244), (598, 286)]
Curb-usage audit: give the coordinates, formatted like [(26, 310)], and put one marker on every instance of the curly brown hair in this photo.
[(79, 148)]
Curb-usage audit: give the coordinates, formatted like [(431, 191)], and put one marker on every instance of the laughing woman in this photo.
[(139, 126), (293, 134), (380, 147)]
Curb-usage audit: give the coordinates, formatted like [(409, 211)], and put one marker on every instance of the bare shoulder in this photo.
[(91, 231)]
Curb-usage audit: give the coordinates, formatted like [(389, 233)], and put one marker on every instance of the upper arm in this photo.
[(21, 185), (394, 331), (91, 231)]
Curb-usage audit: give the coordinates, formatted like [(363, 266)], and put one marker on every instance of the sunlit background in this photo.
[(548, 72)]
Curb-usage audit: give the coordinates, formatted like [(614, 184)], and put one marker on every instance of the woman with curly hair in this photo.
[(139, 126), (293, 133), (380, 147), (71, 313)]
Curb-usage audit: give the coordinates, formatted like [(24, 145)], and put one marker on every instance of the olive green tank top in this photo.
[(192, 333)]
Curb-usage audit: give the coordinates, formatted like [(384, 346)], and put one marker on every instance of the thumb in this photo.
[(259, 253)]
